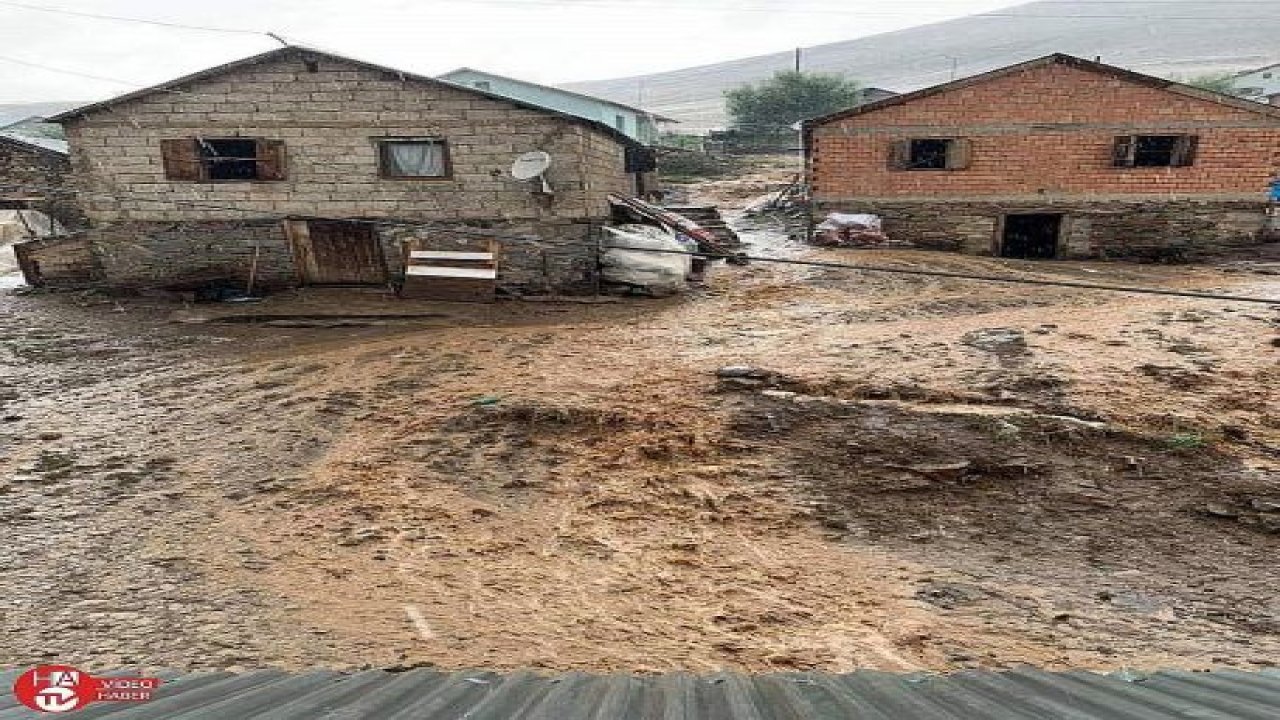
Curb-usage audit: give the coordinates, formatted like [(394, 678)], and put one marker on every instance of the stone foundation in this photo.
[(536, 257), (1110, 229)]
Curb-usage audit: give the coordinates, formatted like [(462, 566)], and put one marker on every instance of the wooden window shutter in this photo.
[(1184, 155), (899, 154), (271, 160), (181, 159), (1122, 154), (959, 154)]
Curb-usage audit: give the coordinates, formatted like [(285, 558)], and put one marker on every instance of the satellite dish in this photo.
[(532, 166)]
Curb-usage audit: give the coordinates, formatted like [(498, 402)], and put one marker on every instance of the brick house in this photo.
[(314, 168), (33, 172), (1056, 157)]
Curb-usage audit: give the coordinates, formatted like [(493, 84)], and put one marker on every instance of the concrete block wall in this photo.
[(1049, 130), (329, 113), (329, 121)]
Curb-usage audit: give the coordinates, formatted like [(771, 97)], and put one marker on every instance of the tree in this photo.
[(1224, 83), (774, 105)]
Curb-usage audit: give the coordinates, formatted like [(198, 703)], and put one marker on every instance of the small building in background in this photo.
[(1053, 158), (1260, 84), (300, 167), (636, 123), (34, 176)]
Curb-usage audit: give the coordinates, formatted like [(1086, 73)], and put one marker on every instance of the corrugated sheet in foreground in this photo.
[(428, 695)]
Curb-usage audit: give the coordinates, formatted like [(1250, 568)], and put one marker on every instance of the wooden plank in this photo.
[(453, 272), (448, 255)]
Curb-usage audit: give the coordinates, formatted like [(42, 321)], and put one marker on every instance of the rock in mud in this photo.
[(729, 372), (1000, 341)]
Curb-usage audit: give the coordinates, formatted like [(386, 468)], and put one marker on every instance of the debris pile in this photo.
[(858, 230)]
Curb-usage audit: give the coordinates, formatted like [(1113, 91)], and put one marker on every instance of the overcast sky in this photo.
[(548, 41)]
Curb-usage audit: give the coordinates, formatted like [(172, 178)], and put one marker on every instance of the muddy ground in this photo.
[(895, 473)]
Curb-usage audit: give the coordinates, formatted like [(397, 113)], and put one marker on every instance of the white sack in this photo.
[(659, 273)]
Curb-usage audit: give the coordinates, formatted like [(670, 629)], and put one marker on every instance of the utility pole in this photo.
[(798, 51)]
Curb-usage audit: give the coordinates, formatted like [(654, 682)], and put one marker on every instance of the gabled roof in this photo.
[(562, 91), (300, 51), (39, 144), (1055, 59)]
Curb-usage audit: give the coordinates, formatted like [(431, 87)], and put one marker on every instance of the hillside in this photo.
[(1188, 38)]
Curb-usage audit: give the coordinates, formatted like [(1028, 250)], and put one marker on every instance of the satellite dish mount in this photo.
[(532, 166)]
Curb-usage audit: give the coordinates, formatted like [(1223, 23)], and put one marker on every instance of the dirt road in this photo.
[(915, 473)]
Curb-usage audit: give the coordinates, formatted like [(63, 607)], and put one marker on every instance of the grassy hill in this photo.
[(1159, 38)]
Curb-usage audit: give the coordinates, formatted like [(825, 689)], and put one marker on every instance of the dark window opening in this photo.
[(484, 85), (1155, 150), (233, 159), (929, 154), (620, 122), (225, 159), (1031, 237)]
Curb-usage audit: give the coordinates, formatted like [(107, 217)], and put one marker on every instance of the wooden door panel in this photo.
[(333, 252)]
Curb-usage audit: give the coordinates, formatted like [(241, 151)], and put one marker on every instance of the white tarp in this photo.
[(659, 273)]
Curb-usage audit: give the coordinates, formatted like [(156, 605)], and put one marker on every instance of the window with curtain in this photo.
[(413, 158)]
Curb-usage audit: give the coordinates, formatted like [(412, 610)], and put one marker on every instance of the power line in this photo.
[(965, 276), (631, 4), (117, 18), (76, 73), (604, 4)]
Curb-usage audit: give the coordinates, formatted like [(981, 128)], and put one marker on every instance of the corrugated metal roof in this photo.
[(51, 144), (422, 694)]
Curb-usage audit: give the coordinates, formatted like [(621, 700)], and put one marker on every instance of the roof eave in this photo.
[(79, 112)]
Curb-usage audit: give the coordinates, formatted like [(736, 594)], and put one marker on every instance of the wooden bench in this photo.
[(450, 275)]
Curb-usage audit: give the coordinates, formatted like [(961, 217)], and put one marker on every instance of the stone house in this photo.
[(1057, 157), (33, 176), (303, 167)]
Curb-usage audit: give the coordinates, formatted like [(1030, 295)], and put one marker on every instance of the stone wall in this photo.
[(536, 257), (29, 172), (1120, 229)]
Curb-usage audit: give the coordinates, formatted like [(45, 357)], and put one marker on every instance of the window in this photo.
[(484, 85), (930, 154), (414, 158), (223, 159), (1155, 150), (620, 122)]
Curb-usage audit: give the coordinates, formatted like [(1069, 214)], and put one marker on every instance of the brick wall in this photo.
[(30, 172), (1047, 131)]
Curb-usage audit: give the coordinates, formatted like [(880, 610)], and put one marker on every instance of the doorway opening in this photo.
[(1031, 237), (333, 252)]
